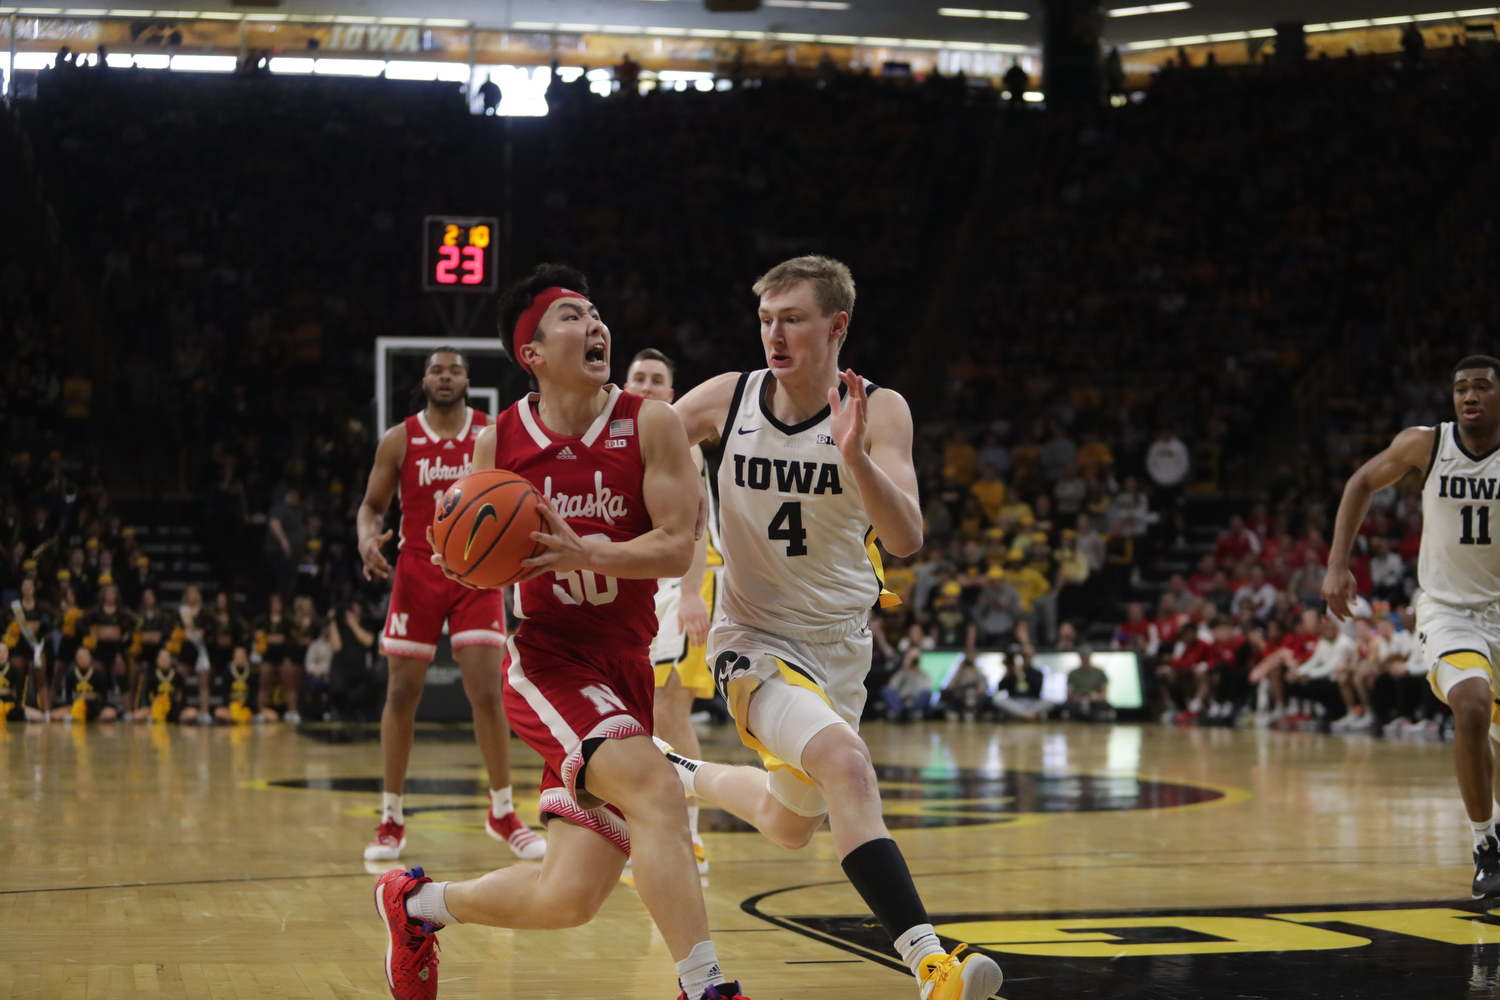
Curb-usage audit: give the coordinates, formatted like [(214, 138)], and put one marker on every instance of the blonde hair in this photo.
[(832, 284)]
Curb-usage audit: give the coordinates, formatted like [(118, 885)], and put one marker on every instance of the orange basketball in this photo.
[(483, 527)]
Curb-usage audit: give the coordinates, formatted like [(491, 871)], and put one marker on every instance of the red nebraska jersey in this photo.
[(1301, 644), (594, 482), (432, 464)]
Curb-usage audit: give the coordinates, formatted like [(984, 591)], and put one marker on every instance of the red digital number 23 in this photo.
[(445, 267)]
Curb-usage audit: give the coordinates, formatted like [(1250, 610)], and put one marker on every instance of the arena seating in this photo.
[(1055, 294)]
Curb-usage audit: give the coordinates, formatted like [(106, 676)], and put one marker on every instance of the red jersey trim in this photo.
[(539, 434)]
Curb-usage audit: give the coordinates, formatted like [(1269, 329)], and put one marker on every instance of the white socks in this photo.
[(698, 971), (916, 944), (1482, 831), (500, 803), (390, 808), (687, 768), (693, 819), (430, 903)]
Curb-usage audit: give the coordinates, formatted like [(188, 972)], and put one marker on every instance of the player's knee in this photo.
[(485, 692), (574, 909), (1470, 714), (404, 688), (846, 767), (655, 797), (791, 831)]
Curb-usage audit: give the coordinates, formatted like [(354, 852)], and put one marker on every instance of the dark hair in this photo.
[(518, 297), (462, 358), (652, 354), (1478, 361)]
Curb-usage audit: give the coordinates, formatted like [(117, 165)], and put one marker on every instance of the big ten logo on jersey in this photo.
[(816, 478), (619, 430)]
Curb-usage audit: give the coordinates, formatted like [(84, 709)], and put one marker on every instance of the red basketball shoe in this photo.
[(524, 842), (411, 956), (390, 839), (724, 991)]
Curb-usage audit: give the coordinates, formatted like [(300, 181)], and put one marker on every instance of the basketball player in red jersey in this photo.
[(623, 494), (424, 456)]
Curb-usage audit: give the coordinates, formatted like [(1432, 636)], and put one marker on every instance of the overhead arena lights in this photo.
[(1150, 8), (776, 36), (993, 15), (213, 15), (1223, 36), (1376, 22), (1386, 22), (808, 4)]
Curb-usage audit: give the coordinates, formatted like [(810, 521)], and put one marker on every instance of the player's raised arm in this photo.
[(1412, 449), (385, 476), (873, 433), (704, 409), (670, 487)]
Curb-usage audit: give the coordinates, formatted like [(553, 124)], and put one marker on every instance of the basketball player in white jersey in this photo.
[(816, 464), (684, 607), (1458, 621)]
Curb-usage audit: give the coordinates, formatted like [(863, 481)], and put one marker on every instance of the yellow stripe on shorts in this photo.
[(740, 691)]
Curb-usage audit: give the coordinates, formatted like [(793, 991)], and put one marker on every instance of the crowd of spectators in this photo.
[(1193, 298), (1097, 318), (1243, 640), (91, 634)]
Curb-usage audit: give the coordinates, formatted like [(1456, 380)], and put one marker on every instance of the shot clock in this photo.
[(459, 254)]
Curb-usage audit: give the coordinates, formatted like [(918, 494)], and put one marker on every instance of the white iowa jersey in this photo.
[(1459, 564), (798, 547)]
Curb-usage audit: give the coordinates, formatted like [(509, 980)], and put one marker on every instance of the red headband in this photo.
[(526, 325)]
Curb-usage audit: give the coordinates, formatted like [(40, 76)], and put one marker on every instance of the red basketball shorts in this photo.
[(422, 597), (562, 698)]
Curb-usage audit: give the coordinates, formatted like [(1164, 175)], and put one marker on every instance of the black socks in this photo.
[(879, 874)]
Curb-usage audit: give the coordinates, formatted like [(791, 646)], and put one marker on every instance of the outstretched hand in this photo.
[(374, 559), (850, 417)]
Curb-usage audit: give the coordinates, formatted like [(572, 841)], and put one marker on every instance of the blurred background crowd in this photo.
[(1144, 346)]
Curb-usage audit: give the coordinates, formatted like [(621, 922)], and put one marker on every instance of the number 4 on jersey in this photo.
[(786, 526)]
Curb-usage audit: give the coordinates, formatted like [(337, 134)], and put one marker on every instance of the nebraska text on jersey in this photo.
[(604, 503), (430, 470)]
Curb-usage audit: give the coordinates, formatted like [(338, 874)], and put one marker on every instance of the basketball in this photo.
[(483, 527)]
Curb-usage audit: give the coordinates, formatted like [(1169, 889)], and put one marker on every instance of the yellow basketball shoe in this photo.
[(947, 977), (700, 855)]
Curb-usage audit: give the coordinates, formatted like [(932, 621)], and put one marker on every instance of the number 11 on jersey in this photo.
[(1468, 514)]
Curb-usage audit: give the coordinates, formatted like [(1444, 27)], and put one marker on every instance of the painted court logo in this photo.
[(1422, 950), (922, 798)]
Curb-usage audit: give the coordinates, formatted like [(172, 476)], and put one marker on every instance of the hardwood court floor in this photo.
[(1092, 861)]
